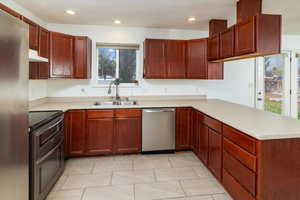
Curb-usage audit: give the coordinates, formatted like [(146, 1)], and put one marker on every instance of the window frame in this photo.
[(96, 81)]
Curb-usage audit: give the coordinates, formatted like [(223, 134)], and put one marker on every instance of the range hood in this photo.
[(34, 56)]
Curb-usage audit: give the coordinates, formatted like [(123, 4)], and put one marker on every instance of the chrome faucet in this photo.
[(116, 82)]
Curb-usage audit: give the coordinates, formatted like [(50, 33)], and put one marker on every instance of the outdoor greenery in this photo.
[(127, 71), (273, 106), (107, 63)]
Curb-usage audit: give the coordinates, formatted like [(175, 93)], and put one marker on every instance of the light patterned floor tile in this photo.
[(59, 184), (175, 174), (65, 195), (133, 177), (209, 197), (204, 186), (120, 192), (222, 197), (114, 165), (151, 164), (158, 190), (87, 180), (185, 161), (203, 172)]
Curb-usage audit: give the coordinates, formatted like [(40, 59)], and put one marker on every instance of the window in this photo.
[(117, 61)]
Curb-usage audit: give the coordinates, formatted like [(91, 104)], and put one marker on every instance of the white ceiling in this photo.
[(154, 13)]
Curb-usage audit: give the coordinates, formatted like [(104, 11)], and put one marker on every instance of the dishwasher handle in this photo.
[(159, 110)]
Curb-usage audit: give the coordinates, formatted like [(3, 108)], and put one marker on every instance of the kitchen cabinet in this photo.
[(82, 57), (44, 51), (183, 128), (197, 128), (214, 47), (128, 134), (217, 26), (76, 131), (227, 43), (203, 144), (197, 59), (215, 152), (100, 132), (61, 54), (245, 37), (155, 66), (33, 34), (176, 59), (10, 11)]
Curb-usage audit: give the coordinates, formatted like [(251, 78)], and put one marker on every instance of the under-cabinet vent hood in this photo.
[(34, 57)]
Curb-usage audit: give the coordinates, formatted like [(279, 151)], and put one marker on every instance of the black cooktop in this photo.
[(39, 118)]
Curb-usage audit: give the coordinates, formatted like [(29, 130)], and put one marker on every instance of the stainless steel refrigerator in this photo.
[(13, 108)]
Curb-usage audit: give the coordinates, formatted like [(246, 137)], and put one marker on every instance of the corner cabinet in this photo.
[(62, 55), (183, 128)]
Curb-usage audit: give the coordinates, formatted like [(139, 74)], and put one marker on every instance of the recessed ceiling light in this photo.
[(70, 12), (117, 22), (191, 19)]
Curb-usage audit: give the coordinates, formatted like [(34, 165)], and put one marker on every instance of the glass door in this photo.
[(295, 85), (273, 83)]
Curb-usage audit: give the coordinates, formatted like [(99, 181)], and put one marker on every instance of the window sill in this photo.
[(124, 85)]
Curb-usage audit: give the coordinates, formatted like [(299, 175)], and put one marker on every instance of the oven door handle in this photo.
[(49, 153), (55, 124)]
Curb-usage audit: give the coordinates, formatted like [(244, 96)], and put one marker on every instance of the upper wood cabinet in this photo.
[(214, 47), (197, 59), (183, 128), (176, 59), (245, 37), (10, 11), (44, 51), (82, 57), (155, 65), (33, 34), (62, 56), (227, 43)]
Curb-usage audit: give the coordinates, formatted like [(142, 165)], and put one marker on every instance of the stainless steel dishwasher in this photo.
[(158, 130)]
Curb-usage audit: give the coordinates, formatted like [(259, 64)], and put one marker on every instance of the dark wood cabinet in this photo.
[(183, 128), (245, 37), (100, 132), (227, 43), (197, 59), (214, 47), (176, 59), (44, 51), (76, 131), (61, 55), (215, 153), (82, 57), (197, 128), (155, 66), (203, 144), (128, 132), (33, 34), (10, 11)]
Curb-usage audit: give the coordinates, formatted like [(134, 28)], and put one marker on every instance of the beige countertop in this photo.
[(256, 123)]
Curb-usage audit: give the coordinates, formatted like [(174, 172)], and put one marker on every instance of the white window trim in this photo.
[(95, 79)]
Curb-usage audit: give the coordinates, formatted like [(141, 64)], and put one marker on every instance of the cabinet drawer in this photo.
[(94, 114), (213, 124), (234, 188), (241, 173), (240, 139), (128, 113), (243, 156)]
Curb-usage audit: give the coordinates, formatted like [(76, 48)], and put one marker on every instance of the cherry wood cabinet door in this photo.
[(245, 39), (33, 70), (100, 136), (203, 144), (76, 132), (176, 59), (215, 153), (155, 66), (44, 51), (82, 57), (214, 47), (227, 43), (197, 59), (128, 135), (10, 11), (61, 54), (33, 34), (183, 128), (197, 128)]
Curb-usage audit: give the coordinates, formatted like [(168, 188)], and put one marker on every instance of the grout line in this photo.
[(134, 197), (185, 195), (83, 192), (155, 177)]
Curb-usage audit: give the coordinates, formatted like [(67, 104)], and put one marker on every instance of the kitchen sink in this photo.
[(116, 103)]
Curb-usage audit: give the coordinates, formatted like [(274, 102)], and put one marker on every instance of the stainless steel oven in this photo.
[(47, 157)]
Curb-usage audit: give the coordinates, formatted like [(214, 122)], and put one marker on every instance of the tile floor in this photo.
[(179, 176)]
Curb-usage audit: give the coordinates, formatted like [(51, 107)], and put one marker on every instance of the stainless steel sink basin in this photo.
[(116, 103)]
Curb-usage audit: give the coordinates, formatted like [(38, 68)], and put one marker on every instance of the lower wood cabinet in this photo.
[(97, 132), (215, 153), (203, 144), (183, 128)]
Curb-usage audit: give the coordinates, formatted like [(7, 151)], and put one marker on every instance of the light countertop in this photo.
[(256, 123)]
